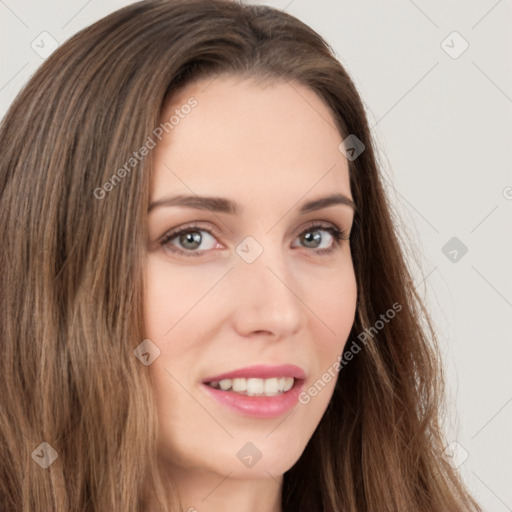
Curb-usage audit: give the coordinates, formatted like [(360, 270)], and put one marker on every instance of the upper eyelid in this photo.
[(171, 233)]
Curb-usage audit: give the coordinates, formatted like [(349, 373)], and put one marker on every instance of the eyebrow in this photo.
[(222, 205)]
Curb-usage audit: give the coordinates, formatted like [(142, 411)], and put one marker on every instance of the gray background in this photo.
[(444, 130)]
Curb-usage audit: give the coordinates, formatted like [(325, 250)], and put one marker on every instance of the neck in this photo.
[(204, 491)]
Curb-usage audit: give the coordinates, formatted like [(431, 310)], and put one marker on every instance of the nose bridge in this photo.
[(266, 299)]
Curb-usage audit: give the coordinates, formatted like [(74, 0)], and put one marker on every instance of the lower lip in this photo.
[(258, 406)]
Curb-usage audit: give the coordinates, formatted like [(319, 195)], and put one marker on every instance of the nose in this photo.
[(266, 297)]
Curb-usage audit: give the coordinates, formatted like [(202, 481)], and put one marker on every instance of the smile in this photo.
[(261, 391)]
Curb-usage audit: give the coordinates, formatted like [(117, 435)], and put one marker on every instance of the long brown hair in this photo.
[(71, 279)]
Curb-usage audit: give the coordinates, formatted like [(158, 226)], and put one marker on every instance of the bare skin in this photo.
[(271, 149)]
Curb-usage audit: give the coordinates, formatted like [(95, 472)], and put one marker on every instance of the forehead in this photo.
[(247, 138)]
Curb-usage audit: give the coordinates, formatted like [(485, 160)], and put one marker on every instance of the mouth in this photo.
[(258, 391)]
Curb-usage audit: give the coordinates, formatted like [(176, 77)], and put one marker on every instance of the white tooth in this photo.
[(254, 386), (288, 383), (239, 385), (271, 385), (225, 384)]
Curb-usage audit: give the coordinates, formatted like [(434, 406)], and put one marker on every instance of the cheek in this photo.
[(172, 295), (333, 305), (172, 316)]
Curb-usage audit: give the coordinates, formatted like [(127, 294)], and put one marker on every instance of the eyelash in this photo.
[(337, 234)]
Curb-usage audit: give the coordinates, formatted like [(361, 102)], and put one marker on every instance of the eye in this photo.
[(312, 238), (187, 241), (189, 238)]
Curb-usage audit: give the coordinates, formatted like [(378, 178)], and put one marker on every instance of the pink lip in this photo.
[(261, 372), (259, 406)]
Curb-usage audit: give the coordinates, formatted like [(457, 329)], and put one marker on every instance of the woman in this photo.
[(204, 301)]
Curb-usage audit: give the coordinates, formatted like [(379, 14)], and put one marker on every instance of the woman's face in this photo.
[(246, 299)]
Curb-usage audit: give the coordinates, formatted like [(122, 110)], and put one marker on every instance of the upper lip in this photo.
[(260, 372)]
